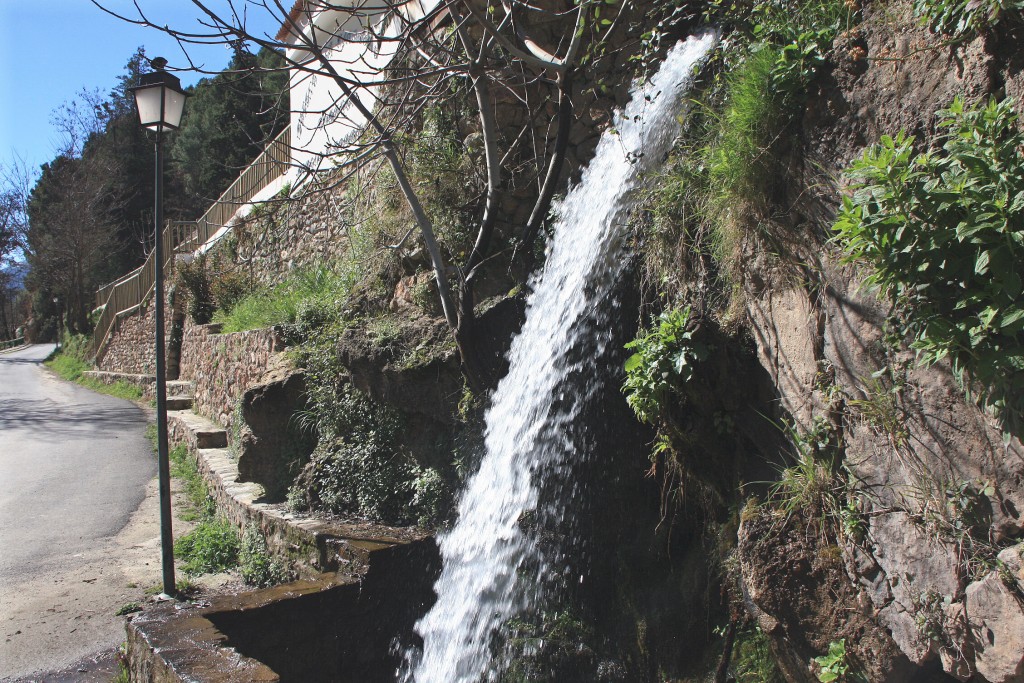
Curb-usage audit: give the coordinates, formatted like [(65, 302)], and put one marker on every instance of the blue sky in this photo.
[(51, 49)]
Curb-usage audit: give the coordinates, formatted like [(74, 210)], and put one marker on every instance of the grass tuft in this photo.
[(71, 360)]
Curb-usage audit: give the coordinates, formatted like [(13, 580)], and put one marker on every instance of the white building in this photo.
[(360, 38)]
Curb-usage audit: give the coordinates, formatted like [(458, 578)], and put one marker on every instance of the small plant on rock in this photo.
[(258, 567), (663, 361), (833, 665)]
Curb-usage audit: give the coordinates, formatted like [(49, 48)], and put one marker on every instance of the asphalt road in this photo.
[(74, 467)]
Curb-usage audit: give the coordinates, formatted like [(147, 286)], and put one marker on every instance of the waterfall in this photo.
[(492, 568)]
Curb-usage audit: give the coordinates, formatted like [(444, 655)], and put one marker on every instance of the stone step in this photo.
[(211, 438), (196, 431), (179, 402), (180, 387)]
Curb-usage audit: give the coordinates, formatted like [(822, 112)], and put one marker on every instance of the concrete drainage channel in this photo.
[(362, 588), (331, 629)]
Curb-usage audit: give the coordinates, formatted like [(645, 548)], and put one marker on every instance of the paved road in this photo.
[(74, 467)]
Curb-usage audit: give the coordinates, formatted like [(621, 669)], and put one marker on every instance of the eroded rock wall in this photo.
[(923, 572)]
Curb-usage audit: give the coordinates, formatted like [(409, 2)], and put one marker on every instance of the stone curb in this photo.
[(13, 349)]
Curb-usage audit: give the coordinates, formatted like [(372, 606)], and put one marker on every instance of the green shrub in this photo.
[(258, 567), (432, 496), (212, 546), (194, 277), (358, 466), (962, 17), (943, 232), (664, 359), (229, 288), (362, 474)]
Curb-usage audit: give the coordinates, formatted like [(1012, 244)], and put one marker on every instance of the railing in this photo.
[(131, 290), (11, 343), (268, 166), (128, 292)]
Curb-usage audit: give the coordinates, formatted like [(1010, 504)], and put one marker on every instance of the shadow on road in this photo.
[(67, 419)]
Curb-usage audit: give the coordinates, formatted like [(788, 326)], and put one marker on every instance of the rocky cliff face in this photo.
[(931, 576)]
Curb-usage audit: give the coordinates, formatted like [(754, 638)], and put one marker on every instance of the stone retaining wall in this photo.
[(306, 231), (223, 366), (131, 348)]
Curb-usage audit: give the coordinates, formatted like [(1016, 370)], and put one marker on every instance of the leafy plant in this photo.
[(664, 359), (212, 546), (833, 665), (944, 234), (962, 17), (258, 567)]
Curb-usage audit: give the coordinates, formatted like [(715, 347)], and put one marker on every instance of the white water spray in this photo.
[(491, 569)]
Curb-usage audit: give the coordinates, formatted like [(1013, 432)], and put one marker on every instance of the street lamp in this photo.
[(160, 101)]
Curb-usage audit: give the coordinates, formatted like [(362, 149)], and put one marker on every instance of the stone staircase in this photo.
[(309, 545)]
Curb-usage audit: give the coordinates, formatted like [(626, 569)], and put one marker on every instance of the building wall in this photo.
[(322, 118)]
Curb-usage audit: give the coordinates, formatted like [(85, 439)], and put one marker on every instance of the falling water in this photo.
[(491, 567)]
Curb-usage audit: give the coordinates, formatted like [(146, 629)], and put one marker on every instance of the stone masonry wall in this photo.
[(292, 235), (223, 366), (131, 349)]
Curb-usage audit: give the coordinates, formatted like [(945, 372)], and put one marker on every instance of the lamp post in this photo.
[(160, 101), (60, 319)]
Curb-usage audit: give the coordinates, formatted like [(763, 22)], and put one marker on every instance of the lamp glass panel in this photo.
[(148, 102), (173, 107)]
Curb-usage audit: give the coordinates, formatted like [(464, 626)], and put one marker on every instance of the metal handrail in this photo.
[(271, 164), (129, 291), (11, 343)]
